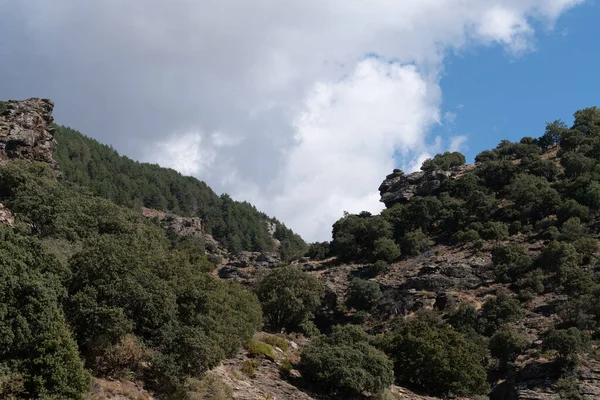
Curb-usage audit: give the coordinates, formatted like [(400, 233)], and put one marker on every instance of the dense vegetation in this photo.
[(81, 273), (91, 287), (543, 192), (236, 225)]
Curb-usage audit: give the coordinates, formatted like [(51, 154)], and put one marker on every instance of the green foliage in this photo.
[(354, 236), (465, 318), (507, 344), (385, 249), (436, 358), (381, 267), (288, 297), (495, 231), (572, 230), (497, 311), (560, 258), (3, 107), (130, 295), (363, 295), (259, 349), (416, 242), (236, 225), (276, 341), (444, 161), (511, 262), (568, 344), (36, 347), (318, 250), (345, 364)]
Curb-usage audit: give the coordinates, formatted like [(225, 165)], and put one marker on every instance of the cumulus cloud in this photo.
[(271, 101)]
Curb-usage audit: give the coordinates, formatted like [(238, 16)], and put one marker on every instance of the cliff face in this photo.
[(25, 130)]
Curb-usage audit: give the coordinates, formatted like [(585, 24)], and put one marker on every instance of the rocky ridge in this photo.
[(25, 131)]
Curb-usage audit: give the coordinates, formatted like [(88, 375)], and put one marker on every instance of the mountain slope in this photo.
[(236, 225)]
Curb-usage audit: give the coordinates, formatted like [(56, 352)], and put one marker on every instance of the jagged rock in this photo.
[(25, 131), (436, 278), (183, 226), (6, 216), (245, 266), (400, 188)]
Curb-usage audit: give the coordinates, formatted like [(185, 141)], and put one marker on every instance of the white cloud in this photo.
[(285, 109), (458, 143), (450, 117)]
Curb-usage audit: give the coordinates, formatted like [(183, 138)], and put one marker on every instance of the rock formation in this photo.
[(400, 188), (25, 130)]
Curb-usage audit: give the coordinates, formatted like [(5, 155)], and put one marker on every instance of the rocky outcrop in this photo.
[(245, 266), (400, 188), (6, 216), (25, 131)]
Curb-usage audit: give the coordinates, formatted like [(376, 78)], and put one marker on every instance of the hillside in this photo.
[(476, 281), (238, 226)]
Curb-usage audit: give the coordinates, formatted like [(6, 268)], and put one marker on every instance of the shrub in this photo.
[(385, 249), (469, 235), (249, 367), (436, 358), (416, 242), (444, 161), (209, 387), (258, 349), (497, 311), (572, 230), (560, 258), (511, 262), (507, 344), (344, 364), (363, 295), (276, 341), (288, 297), (465, 318), (318, 250), (495, 231), (567, 343), (571, 208), (381, 267)]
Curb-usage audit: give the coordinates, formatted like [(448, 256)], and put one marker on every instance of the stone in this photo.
[(400, 188), (6, 216), (25, 131)]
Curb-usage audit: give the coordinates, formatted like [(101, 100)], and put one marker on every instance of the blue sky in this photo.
[(507, 97)]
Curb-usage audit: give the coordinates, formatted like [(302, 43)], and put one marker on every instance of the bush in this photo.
[(416, 242), (363, 295), (381, 267), (567, 343), (289, 297), (465, 318), (444, 161), (276, 341), (385, 249), (497, 311), (465, 236), (507, 344), (436, 358), (495, 231), (511, 262), (560, 258), (258, 349), (318, 250), (572, 230), (344, 364)]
